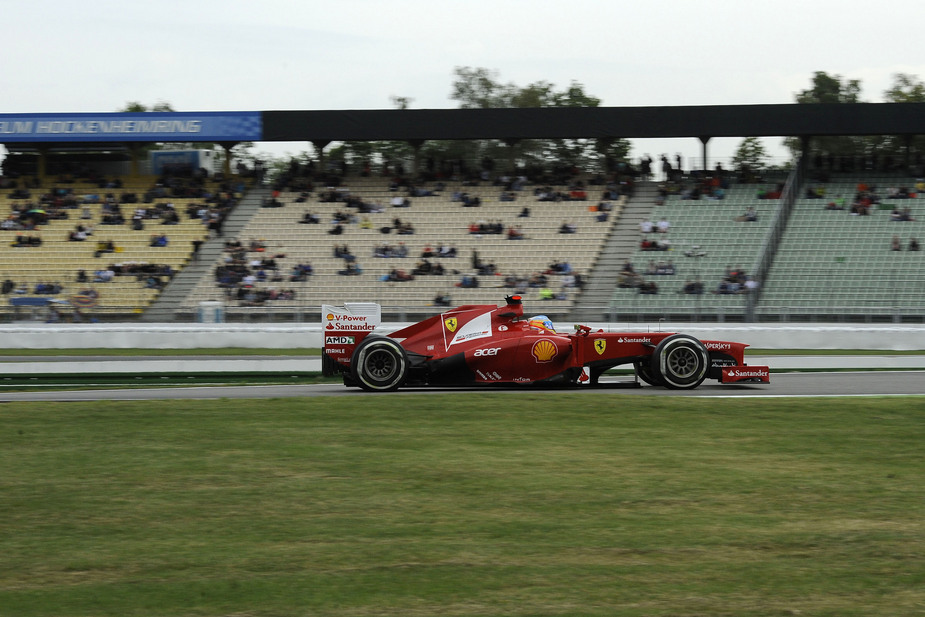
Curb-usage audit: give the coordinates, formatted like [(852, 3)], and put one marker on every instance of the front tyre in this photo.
[(680, 362), (379, 364)]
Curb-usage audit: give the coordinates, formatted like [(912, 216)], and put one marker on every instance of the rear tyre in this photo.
[(379, 364), (680, 362)]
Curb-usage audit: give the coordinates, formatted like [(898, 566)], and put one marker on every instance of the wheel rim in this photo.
[(381, 365), (683, 362)]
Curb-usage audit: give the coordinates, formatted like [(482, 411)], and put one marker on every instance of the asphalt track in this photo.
[(791, 384)]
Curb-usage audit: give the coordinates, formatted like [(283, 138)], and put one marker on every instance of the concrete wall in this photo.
[(196, 336)]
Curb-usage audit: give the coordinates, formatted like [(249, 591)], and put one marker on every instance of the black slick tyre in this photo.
[(379, 364), (680, 362)]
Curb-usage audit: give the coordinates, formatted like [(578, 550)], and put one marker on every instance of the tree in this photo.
[(136, 107), (750, 157), (831, 89), (893, 148), (480, 88), (905, 89), (401, 102)]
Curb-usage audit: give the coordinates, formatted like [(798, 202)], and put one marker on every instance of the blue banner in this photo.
[(122, 127)]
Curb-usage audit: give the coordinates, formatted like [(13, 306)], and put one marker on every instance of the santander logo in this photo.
[(741, 373)]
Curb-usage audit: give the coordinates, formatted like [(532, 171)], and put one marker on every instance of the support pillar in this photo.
[(227, 146), (704, 140), (415, 163), (511, 153), (320, 145), (806, 143)]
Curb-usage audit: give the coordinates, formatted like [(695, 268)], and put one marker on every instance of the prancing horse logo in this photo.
[(450, 323), (600, 345)]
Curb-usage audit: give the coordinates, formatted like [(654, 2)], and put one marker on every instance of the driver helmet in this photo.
[(542, 323)]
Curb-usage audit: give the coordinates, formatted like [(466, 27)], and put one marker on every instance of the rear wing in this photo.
[(343, 327)]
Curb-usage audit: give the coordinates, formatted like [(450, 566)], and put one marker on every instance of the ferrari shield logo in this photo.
[(450, 324), (600, 345)]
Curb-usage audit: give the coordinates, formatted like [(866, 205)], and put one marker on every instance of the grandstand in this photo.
[(52, 215), (436, 219), (707, 239), (831, 265)]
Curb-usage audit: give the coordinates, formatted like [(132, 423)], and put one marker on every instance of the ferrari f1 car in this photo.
[(485, 344)]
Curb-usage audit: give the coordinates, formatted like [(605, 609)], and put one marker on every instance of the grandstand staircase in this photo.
[(595, 298), (163, 309)]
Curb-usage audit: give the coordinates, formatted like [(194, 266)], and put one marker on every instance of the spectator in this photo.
[(78, 235), (751, 215), (352, 269), (692, 287), (515, 232), (309, 218), (158, 240), (422, 267), (468, 281), (655, 245), (103, 276), (397, 275)]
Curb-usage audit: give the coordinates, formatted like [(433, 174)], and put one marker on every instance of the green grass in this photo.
[(524, 504)]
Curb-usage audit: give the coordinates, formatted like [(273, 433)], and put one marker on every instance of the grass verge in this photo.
[(472, 504)]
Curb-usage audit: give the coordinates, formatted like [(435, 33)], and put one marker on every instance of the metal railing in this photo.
[(772, 239)]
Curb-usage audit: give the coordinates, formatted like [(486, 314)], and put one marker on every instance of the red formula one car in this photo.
[(485, 344)]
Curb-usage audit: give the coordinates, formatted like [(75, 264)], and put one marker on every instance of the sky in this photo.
[(207, 55)]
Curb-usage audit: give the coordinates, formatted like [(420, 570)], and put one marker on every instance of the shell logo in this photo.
[(544, 350), (330, 316)]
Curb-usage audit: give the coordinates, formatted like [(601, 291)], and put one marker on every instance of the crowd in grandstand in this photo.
[(251, 275)]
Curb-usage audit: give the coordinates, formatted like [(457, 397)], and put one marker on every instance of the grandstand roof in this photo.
[(508, 124), (598, 122)]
